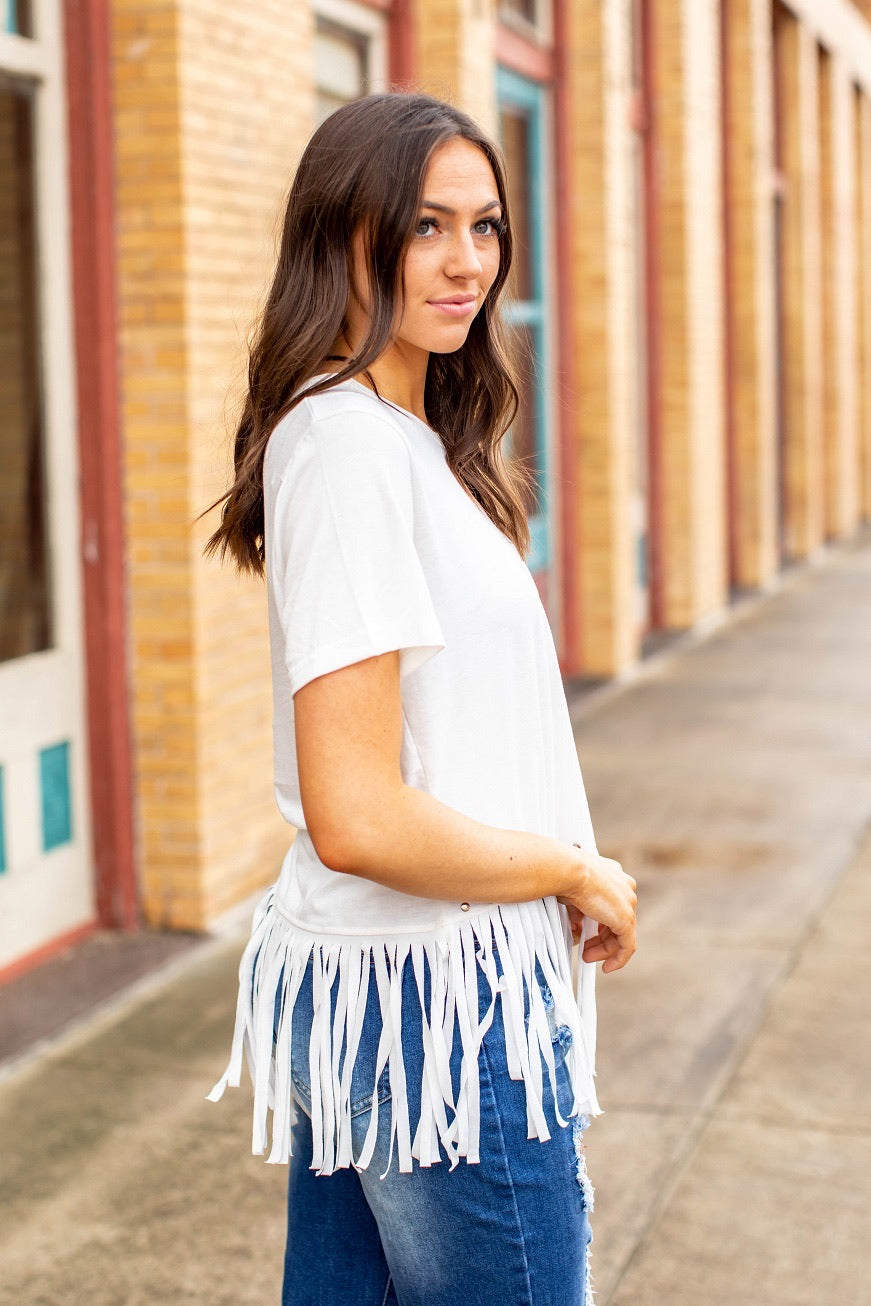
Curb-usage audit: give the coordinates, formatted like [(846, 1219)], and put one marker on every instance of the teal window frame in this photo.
[(519, 92)]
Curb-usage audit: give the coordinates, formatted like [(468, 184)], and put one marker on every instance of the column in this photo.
[(797, 60), (838, 259), (748, 137), (692, 455), (598, 283)]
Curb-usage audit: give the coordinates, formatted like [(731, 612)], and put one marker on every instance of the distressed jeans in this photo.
[(512, 1230)]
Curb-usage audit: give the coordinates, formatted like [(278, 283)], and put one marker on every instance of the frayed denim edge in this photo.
[(579, 1124)]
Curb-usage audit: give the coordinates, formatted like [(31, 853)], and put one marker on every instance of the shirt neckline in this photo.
[(350, 380)]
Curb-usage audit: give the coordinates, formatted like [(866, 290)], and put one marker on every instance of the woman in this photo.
[(406, 999)]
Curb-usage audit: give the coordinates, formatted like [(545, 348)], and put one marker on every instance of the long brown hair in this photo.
[(364, 168)]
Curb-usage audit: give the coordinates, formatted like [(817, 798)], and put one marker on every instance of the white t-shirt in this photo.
[(372, 544)]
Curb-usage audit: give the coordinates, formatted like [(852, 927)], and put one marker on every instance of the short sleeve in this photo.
[(347, 579)]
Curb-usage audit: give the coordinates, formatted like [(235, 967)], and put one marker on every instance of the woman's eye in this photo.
[(496, 226)]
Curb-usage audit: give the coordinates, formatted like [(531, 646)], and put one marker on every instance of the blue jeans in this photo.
[(512, 1230)]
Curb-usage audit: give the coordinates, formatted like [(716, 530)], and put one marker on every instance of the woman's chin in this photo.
[(448, 342)]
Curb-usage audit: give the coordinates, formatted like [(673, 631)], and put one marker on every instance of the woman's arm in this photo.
[(364, 820)]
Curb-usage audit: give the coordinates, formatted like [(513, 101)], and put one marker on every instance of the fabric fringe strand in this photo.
[(522, 935)]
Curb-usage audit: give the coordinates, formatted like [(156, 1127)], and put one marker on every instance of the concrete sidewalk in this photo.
[(733, 1161)]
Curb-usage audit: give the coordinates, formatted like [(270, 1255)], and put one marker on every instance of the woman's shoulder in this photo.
[(330, 421)]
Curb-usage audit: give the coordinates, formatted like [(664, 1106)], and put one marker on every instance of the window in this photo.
[(24, 602), (340, 66), (523, 135), (530, 18), (15, 17), (350, 54)]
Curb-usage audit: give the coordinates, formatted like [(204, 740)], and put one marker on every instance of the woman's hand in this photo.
[(604, 892)]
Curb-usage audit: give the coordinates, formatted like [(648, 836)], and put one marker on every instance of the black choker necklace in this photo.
[(340, 358)]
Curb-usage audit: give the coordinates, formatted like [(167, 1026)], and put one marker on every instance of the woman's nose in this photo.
[(463, 258)]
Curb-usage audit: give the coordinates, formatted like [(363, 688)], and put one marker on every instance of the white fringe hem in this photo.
[(522, 933)]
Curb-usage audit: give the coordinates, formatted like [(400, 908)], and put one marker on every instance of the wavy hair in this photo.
[(364, 169)]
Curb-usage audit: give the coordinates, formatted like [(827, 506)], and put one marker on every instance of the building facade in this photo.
[(691, 183)]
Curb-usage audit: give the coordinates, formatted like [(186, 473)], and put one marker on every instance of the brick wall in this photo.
[(213, 105), (246, 84), (454, 50)]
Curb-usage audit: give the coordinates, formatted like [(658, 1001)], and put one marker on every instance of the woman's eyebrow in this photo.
[(452, 213)]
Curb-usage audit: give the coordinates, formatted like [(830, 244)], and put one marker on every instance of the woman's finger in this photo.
[(599, 948)]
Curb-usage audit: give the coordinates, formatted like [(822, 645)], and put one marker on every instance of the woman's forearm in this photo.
[(412, 842), (364, 820), (416, 844)]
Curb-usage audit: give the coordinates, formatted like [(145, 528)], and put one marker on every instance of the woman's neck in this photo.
[(392, 382)]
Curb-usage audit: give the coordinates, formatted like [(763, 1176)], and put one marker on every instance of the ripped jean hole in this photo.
[(579, 1124), (563, 1036)]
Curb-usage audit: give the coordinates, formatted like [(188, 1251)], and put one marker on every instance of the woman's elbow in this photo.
[(349, 843)]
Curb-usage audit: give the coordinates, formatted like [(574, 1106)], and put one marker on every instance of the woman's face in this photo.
[(454, 254)]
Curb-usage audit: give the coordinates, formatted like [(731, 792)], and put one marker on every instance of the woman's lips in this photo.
[(454, 310)]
